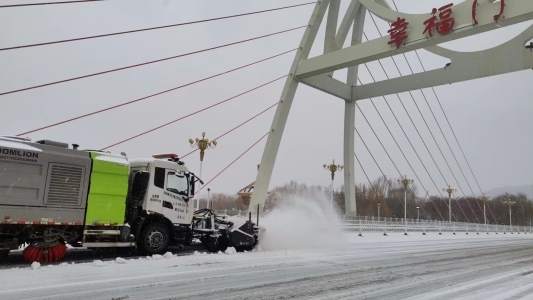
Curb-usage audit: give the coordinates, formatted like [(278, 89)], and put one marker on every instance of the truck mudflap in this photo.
[(125, 233)]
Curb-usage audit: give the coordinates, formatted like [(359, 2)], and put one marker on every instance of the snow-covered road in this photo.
[(371, 267)]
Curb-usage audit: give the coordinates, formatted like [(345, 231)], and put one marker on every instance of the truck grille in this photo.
[(64, 185)]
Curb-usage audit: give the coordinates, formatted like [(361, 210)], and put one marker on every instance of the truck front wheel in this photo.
[(154, 239)]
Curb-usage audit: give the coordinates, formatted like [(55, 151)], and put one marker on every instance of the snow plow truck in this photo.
[(52, 195)]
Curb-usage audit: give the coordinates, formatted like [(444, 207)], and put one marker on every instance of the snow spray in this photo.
[(301, 222)]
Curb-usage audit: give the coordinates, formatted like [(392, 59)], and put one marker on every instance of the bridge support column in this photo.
[(282, 111), (349, 121)]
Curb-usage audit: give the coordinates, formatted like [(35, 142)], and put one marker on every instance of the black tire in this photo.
[(3, 255), (154, 239), (212, 243)]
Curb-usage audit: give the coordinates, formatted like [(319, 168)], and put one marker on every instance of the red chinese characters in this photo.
[(496, 17), (398, 32), (444, 24)]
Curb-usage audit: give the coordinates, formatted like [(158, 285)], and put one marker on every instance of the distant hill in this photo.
[(526, 189)]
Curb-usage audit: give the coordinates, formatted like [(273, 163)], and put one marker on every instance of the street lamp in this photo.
[(450, 191), (484, 199), (332, 168), (418, 212), (202, 144), (379, 204), (209, 198), (405, 182), (510, 203)]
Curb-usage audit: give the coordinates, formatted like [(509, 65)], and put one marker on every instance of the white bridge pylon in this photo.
[(423, 31)]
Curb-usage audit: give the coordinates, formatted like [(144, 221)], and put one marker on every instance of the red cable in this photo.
[(146, 97), (234, 128), (203, 186), (150, 62), (48, 3), (151, 28), (198, 111)]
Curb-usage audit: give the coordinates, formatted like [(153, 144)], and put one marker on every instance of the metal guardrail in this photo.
[(384, 225), (422, 226)]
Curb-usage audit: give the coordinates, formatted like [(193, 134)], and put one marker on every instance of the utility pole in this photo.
[(379, 204), (450, 191), (418, 212), (332, 168), (405, 182)]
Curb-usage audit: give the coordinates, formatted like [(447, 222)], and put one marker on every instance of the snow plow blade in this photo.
[(245, 236), (217, 234)]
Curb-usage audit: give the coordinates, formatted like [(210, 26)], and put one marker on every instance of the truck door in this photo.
[(174, 206)]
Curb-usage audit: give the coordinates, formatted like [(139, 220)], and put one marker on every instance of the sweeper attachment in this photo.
[(50, 246), (218, 234)]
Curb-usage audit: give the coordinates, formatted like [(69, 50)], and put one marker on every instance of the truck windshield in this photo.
[(177, 183)]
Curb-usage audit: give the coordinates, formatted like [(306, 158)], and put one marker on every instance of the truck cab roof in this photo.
[(156, 162)]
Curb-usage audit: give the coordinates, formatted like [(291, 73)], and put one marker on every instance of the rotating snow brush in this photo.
[(35, 252)]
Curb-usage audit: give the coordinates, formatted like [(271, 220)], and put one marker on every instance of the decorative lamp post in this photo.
[(332, 168), (405, 182), (202, 144), (484, 199), (209, 198), (450, 191)]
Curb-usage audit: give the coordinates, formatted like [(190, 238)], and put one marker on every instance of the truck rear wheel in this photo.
[(154, 239)]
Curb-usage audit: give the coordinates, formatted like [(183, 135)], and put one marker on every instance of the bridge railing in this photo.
[(373, 224), (383, 225)]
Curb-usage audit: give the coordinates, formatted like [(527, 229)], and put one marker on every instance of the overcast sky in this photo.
[(491, 117)]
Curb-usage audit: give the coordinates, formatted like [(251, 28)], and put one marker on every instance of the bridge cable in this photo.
[(383, 174), (396, 145), (453, 132), (414, 127), (49, 3), (152, 28), (401, 127), (377, 164), (385, 177), (203, 186), (371, 185), (156, 94), (430, 131), (442, 109), (191, 114), (150, 62), (235, 128)]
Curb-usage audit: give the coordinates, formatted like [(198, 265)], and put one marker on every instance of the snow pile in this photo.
[(120, 260), (168, 255), (230, 251), (301, 222), (99, 263), (157, 257), (35, 265)]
